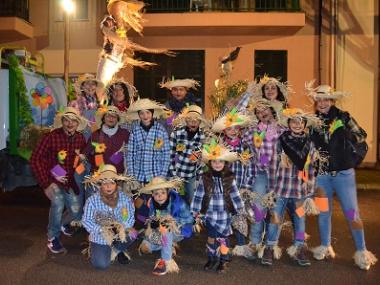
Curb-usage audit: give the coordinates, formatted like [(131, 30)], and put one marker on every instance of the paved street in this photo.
[(25, 260)]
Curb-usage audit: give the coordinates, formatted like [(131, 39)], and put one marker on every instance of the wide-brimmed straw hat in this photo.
[(70, 113), (191, 111), (284, 87), (232, 119), (107, 172), (187, 83), (132, 91), (295, 113), (323, 92), (215, 151), (145, 104), (160, 182), (262, 104), (102, 111), (85, 78)]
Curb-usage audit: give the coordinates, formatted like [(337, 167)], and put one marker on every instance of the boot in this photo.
[(222, 266), (301, 257), (267, 258), (211, 263)]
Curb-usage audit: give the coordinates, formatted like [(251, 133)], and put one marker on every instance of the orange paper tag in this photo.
[(223, 249), (76, 161), (99, 160), (300, 212), (80, 169), (322, 203)]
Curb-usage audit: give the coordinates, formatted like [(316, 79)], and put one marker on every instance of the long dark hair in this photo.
[(280, 96), (125, 91)]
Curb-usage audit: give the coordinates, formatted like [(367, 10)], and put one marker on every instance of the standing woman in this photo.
[(335, 138)]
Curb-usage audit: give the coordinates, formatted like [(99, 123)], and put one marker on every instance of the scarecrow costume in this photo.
[(109, 219), (107, 145), (294, 187), (337, 137), (128, 90), (262, 140), (185, 146), (241, 168), (217, 198), (54, 158), (169, 222)]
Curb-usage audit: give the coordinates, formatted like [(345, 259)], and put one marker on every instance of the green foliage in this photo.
[(72, 93), (25, 110)]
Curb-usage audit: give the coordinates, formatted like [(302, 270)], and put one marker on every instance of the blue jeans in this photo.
[(167, 245), (189, 186), (260, 186), (101, 253), (240, 238), (298, 222), (61, 199), (344, 185)]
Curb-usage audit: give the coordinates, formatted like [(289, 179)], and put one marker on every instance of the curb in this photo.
[(368, 187)]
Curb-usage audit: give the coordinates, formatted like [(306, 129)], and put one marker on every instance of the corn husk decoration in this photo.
[(109, 224), (323, 92), (298, 114), (187, 83)]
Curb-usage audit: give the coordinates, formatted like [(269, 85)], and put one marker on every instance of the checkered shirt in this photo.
[(45, 157), (144, 161), (217, 214), (95, 206), (243, 102), (288, 184), (268, 149), (243, 172), (181, 165)]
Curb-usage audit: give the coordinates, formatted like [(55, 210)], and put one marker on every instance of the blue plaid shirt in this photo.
[(145, 157), (216, 214), (95, 206), (243, 102)]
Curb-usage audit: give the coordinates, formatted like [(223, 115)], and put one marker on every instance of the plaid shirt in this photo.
[(181, 149), (267, 150), (145, 158), (45, 157), (216, 214), (243, 172), (95, 206), (243, 102), (288, 183)]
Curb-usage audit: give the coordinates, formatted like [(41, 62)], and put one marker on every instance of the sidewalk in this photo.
[(368, 179)]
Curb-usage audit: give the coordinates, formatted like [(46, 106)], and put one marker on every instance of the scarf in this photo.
[(110, 200), (232, 142), (110, 131), (122, 106), (296, 148)]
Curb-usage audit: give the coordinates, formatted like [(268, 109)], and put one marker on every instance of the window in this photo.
[(274, 63), (80, 13), (187, 64)]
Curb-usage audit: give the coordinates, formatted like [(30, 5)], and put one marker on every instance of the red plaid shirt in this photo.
[(45, 157)]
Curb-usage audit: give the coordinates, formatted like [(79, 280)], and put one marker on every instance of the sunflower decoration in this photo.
[(158, 143), (213, 149), (258, 138), (245, 156), (232, 118), (99, 147), (121, 32), (124, 214), (61, 156), (291, 112), (180, 147)]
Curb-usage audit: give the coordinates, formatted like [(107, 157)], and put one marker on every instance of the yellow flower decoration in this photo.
[(289, 112), (245, 156), (158, 143), (99, 147), (180, 147), (121, 32), (215, 152), (264, 79), (61, 156)]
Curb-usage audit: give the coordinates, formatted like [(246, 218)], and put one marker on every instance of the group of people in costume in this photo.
[(133, 170)]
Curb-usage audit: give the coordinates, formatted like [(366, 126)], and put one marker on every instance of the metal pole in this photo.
[(66, 51)]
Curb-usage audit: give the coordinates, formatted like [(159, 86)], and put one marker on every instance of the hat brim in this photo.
[(100, 115), (225, 156), (107, 175), (220, 124), (173, 184), (83, 123)]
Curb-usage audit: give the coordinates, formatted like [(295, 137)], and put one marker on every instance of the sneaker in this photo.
[(211, 263), (252, 250), (267, 258), (160, 268), (123, 258), (67, 230), (301, 257), (55, 246), (222, 267)]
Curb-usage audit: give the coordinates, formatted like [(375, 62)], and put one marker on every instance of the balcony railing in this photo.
[(15, 8), (178, 6)]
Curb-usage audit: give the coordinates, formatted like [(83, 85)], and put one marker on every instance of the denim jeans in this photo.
[(298, 222), (260, 186), (344, 185), (240, 238), (61, 199), (189, 186), (101, 253), (167, 245)]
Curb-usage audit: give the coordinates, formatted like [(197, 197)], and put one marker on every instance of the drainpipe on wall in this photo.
[(333, 36), (320, 18)]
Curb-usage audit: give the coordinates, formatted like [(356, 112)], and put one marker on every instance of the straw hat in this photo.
[(284, 87), (295, 113), (323, 92), (132, 91), (102, 111), (187, 83), (145, 104), (70, 113), (215, 151), (127, 11), (263, 103), (85, 78), (192, 111), (107, 172), (160, 182), (231, 119), (134, 5)]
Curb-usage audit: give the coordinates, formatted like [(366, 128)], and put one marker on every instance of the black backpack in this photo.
[(359, 151)]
